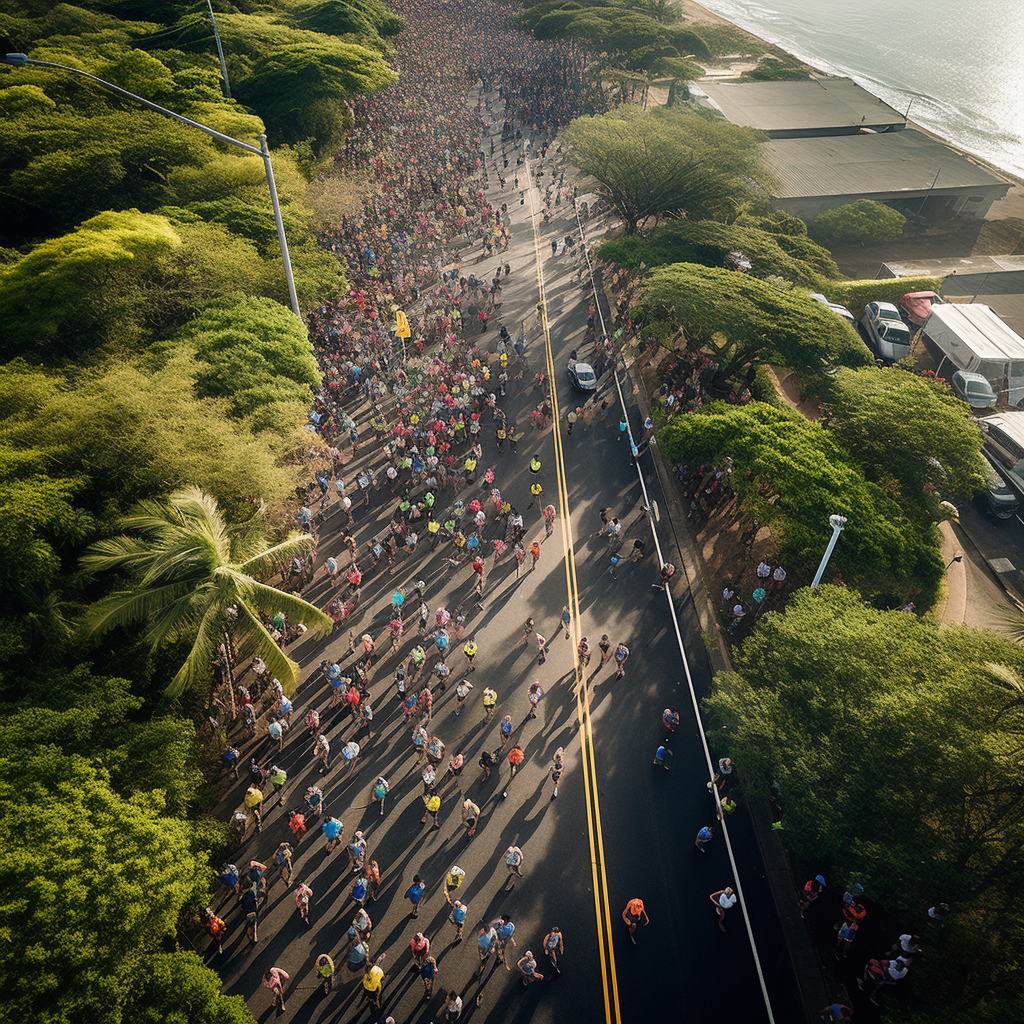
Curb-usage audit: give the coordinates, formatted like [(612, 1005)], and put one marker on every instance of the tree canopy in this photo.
[(193, 577), (908, 434), (772, 250), (664, 162), (897, 751), (808, 477), (742, 320), (863, 222)]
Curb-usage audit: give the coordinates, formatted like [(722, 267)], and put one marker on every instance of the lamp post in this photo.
[(220, 51), (958, 557), (21, 60), (837, 523)]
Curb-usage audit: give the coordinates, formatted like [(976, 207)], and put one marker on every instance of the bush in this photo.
[(864, 222), (762, 388), (775, 73), (855, 295)]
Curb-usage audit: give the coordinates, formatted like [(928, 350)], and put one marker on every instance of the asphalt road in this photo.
[(682, 966)]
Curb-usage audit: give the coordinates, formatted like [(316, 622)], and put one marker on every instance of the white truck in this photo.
[(972, 337)]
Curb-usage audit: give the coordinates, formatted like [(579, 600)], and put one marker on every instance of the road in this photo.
[(620, 827)]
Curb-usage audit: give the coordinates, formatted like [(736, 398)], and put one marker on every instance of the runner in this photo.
[(303, 896), (670, 719), (583, 652), (555, 771), (723, 900), (458, 918), (275, 979), (514, 861), (414, 894), (554, 947), (325, 972), (535, 695), (621, 654), (356, 852), (453, 880), (332, 829), (486, 944), (470, 816), (251, 909), (490, 702), (528, 969), (549, 520), (461, 693), (633, 915)]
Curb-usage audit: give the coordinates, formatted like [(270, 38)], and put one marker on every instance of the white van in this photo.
[(1004, 445), (972, 337)]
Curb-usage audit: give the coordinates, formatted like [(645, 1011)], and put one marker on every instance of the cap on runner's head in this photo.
[(820, 879)]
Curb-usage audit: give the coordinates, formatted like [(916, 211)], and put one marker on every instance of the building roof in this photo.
[(858, 165), (814, 104), (978, 327)]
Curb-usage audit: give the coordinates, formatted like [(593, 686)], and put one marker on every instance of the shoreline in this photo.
[(1011, 205)]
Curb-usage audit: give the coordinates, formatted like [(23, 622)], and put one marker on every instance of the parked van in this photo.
[(972, 337), (1004, 445)]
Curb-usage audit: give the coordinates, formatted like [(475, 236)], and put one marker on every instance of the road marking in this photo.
[(602, 908)]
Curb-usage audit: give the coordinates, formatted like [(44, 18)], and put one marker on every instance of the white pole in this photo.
[(292, 297), (837, 523), (220, 51)]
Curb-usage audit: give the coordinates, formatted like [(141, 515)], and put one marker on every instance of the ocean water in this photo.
[(958, 64)]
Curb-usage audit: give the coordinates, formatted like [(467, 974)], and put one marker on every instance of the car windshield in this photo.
[(585, 376), (896, 333), (977, 387), (888, 314)]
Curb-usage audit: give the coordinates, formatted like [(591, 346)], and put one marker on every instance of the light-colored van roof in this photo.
[(977, 327), (1010, 423)]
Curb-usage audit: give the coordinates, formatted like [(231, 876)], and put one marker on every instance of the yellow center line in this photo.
[(604, 934)]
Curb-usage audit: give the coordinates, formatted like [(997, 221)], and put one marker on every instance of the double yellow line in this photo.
[(602, 909)]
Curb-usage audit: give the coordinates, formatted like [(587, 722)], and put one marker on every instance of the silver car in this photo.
[(886, 330)]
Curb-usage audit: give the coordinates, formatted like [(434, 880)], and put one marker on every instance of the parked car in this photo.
[(740, 261), (886, 330), (973, 388), (836, 308), (581, 375), (915, 307), (998, 499), (1004, 447)]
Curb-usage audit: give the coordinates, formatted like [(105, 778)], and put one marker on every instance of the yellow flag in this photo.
[(402, 325)]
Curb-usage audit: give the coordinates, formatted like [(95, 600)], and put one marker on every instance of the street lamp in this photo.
[(837, 523), (21, 60), (958, 557)]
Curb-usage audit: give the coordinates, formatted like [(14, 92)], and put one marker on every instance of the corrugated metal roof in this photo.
[(977, 327), (789, 106), (840, 165)]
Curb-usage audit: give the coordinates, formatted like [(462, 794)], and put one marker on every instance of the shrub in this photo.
[(864, 222)]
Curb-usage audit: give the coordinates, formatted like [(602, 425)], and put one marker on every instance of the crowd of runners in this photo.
[(406, 423)]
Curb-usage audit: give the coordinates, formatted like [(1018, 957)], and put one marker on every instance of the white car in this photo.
[(840, 311), (886, 330)]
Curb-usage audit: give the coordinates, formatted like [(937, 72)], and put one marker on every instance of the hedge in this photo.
[(855, 295)]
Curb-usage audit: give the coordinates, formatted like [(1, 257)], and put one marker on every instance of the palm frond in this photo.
[(127, 607), (264, 560), (268, 600), (197, 667), (278, 663), (115, 553)]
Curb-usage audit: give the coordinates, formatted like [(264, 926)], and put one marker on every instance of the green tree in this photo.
[(899, 765), (864, 222), (192, 579), (742, 320), (792, 257), (800, 476), (255, 354), (69, 291), (178, 988), (89, 879), (908, 434), (664, 162)]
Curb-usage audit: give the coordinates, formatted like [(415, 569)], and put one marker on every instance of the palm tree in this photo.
[(192, 578)]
